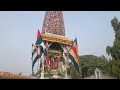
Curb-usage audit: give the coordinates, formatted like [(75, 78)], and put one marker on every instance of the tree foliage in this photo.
[(88, 64), (114, 51)]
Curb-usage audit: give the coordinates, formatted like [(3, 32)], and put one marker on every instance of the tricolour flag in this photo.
[(40, 42), (73, 54), (39, 38), (34, 55)]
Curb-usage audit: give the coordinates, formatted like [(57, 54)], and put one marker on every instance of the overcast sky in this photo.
[(18, 31)]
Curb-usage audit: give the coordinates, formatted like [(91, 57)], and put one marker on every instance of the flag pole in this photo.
[(78, 61), (32, 61), (38, 59), (42, 71)]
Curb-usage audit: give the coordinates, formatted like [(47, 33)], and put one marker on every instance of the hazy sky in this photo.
[(18, 31)]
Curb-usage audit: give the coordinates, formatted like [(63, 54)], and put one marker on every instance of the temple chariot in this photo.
[(57, 46)]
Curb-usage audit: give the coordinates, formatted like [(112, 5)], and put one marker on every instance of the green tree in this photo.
[(114, 51), (88, 64)]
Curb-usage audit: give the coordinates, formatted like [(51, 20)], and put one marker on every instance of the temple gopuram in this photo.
[(57, 45)]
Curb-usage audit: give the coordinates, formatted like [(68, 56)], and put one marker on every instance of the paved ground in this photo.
[(102, 77)]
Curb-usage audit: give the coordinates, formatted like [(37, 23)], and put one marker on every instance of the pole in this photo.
[(42, 71), (66, 61)]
